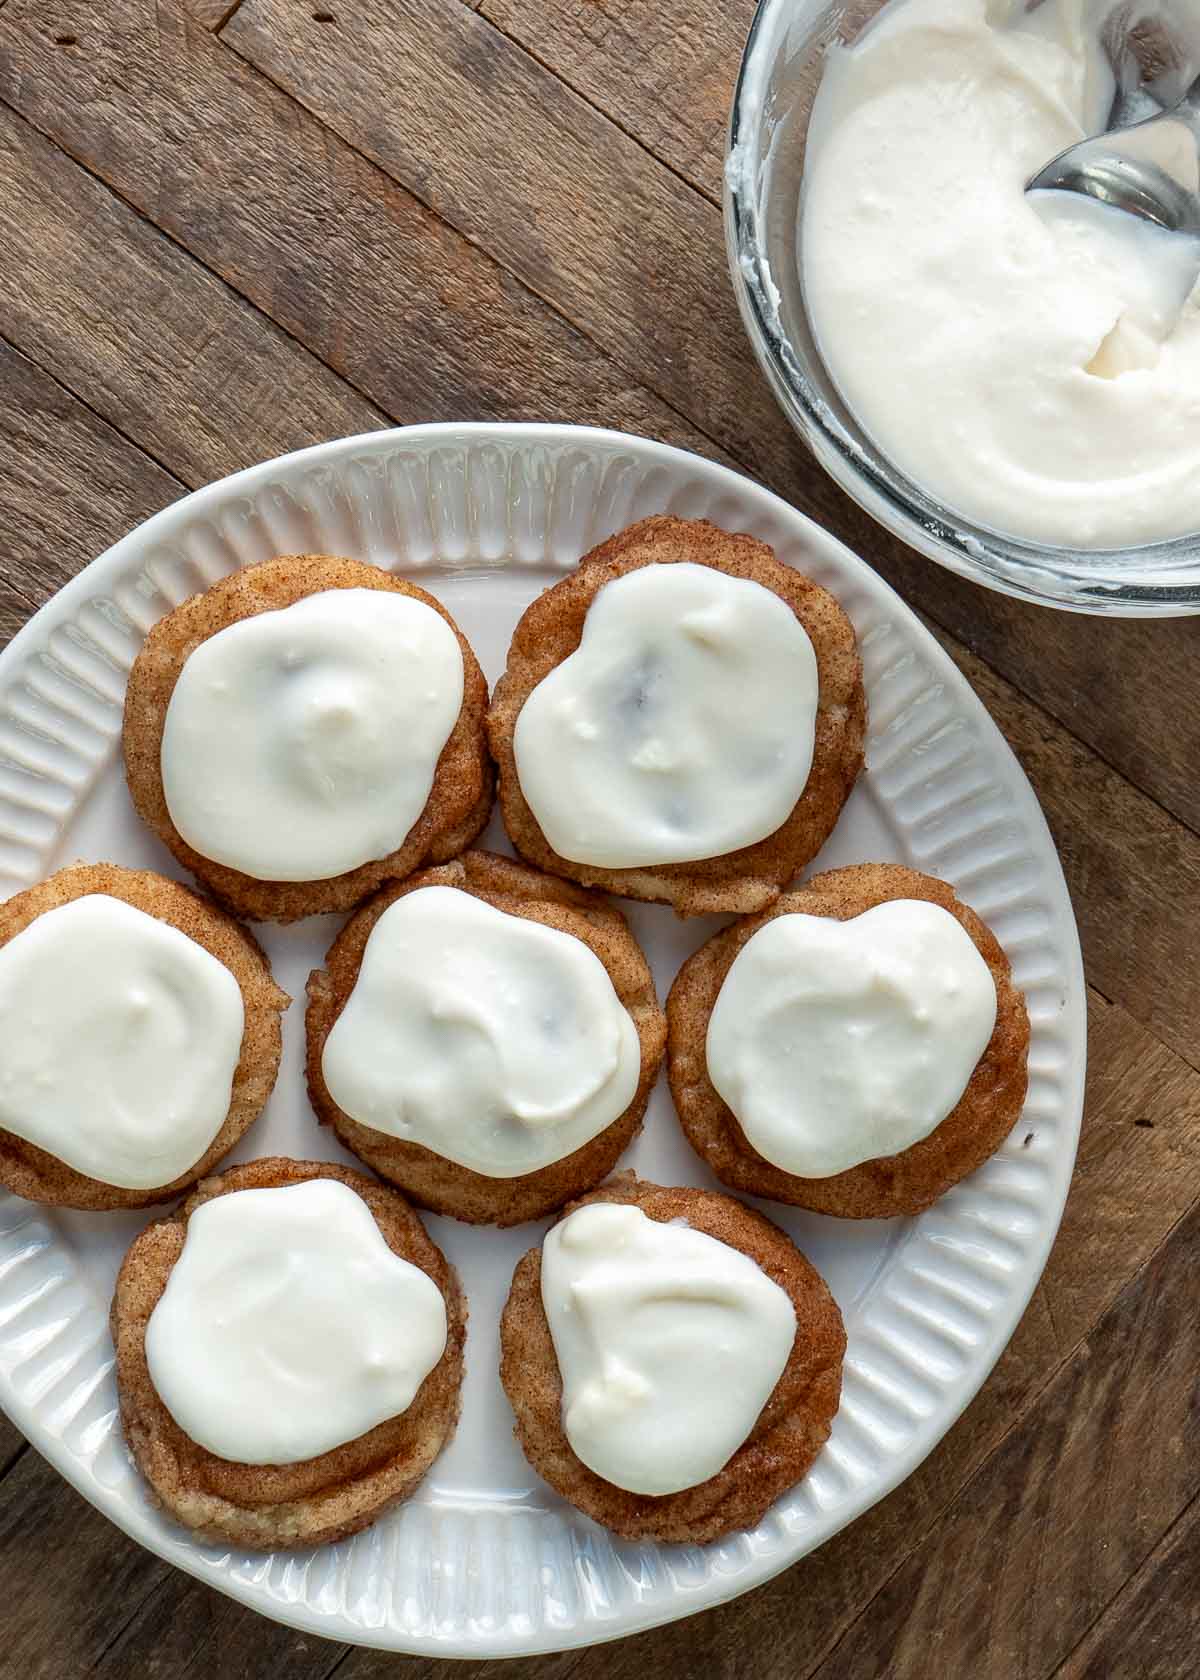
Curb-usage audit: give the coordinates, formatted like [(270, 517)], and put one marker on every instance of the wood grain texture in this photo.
[(663, 70), (72, 484), (1148, 1631), (409, 312), (182, 1627), (12, 1445), (160, 348), (15, 608), (1124, 687), (1129, 865), (211, 13), (557, 192), (1071, 1503), (72, 1580)]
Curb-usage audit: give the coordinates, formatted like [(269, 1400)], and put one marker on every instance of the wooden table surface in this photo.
[(228, 230)]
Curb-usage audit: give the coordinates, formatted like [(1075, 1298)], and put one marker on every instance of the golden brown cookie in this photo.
[(32, 1172), (270, 1507), (896, 1184), (430, 1180), (792, 1427), (459, 802), (550, 630)]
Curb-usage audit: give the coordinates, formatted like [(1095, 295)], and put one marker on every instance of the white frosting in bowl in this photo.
[(837, 1042), (681, 727), (288, 1326), (1029, 360), (302, 743), (669, 1344), (496, 1042), (119, 1040)]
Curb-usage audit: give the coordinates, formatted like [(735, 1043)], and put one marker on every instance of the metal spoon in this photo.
[(1151, 168)]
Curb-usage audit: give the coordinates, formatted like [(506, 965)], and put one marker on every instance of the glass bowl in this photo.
[(780, 71)]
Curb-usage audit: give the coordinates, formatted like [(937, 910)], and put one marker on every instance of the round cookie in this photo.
[(897, 1184), (460, 799), (276, 1506), (550, 631), (791, 1429), (41, 1177), (429, 1179)]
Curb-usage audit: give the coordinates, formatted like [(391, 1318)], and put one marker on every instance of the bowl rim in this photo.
[(1068, 579)]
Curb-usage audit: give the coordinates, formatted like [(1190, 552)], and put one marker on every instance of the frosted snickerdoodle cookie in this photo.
[(681, 719), (485, 1037), (303, 731), (289, 1354), (857, 1049), (673, 1361), (139, 1037)]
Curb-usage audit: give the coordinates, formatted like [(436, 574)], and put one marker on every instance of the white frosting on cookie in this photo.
[(681, 728), (288, 1326), (837, 1042), (496, 1042), (669, 1344), (302, 743), (119, 1040)]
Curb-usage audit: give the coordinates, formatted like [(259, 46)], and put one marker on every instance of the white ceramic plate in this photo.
[(485, 1561)]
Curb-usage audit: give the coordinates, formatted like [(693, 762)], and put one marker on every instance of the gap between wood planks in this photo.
[(1146, 1598), (11, 1449), (1115, 1432), (478, 6)]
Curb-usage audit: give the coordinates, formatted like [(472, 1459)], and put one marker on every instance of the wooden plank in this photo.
[(163, 350), (12, 1445), (374, 284), (72, 484), (71, 1578), (1133, 1184), (1133, 871), (662, 69), (14, 610), (553, 189), (183, 1627), (212, 14), (363, 1664), (1123, 686), (564, 199), (1148, 1632), (1042, 1334), (1076, 1497)]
